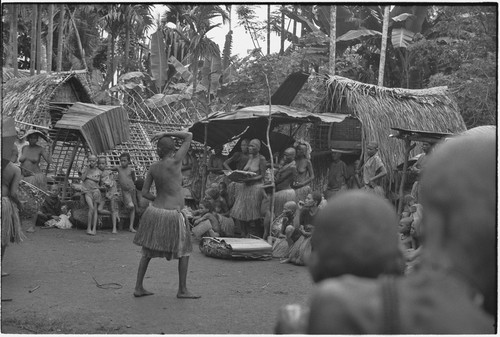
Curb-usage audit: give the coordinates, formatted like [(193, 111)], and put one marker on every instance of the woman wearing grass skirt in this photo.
[(249, 195), (30, 159), (11, 176)]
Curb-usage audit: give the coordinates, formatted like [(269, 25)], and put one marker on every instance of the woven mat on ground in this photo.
[(236, 248)]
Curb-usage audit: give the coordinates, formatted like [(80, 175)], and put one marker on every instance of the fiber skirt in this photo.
[(281, 198), (300, 251), (38, 179), (163, 233), (302, 192), (248, 201), (11, 223)]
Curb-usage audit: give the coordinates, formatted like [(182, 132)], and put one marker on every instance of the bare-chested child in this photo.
[(110, 193), (91, 179), (163, 229), (126, 179)]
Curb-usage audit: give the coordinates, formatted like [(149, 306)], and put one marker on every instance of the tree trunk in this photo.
[(282, 45), (39, 40), (34, 16), (50, 38), (127, 45), (294, 23), (333, 38), (78, 40), (268, 29), (60, 37), (383, 47), (14, 40)]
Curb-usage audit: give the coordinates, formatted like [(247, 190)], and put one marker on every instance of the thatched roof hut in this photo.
[(379, 109)]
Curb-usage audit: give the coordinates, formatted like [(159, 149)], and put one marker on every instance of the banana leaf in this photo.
[(159, 64), (401, 38)]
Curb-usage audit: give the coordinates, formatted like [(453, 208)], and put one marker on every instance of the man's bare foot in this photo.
[(90, 233), (30, 230), (142, 292), (114, 231), (5, 274), (187, 294), (132, 230)]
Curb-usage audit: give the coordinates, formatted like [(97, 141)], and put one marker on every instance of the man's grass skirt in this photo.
[(163, 233), (11, 223)]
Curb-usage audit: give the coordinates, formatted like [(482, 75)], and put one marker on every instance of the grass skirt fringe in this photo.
[(11, 223), (232, 192), (302, 192), (248, 202), (163, 233), (280, 248), (282, 197), (227, 226), (300, 251), (38, 179)]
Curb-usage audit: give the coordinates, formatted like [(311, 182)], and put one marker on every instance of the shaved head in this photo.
[(165, 146), (458, 189), (290, 205), (356, 233)]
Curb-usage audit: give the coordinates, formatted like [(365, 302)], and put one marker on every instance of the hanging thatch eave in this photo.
[(28, 99), (379, 109)]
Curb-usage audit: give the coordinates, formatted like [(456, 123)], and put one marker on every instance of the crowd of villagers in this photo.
[(233, 205)]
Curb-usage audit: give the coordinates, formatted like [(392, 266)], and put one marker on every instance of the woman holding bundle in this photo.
[(249, 196)]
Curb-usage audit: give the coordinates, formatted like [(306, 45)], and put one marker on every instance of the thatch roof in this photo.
[(28, 99), (379, 109)]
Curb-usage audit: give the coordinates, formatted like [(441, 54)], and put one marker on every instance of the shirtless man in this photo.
[(163, 229), (454, 291)]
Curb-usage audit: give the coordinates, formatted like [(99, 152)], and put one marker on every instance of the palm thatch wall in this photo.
[(380, 108)]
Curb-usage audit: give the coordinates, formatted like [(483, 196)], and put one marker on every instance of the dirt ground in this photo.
[(58, 266)]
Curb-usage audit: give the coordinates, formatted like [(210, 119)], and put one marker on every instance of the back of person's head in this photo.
[(458, 195), (165, 146), (139, 184), (317, 197), (356, 233), (208, 204)]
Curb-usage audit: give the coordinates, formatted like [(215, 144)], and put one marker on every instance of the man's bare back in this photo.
[(166, 173)]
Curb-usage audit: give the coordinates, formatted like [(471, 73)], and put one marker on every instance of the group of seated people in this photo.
[(357, 260)]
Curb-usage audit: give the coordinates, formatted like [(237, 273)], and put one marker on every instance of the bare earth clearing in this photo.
[(238, 297)]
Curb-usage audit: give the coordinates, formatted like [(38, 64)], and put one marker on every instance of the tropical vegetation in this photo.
[(159, 65)]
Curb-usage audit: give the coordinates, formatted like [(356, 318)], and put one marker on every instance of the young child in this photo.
[(207, 223), (62, 221), (108, 183), (91, 178), (50, 208), (226, 223), (126, 179)]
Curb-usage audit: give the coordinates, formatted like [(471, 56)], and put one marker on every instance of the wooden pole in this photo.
[(39, 40), (333, 38), (34, 16), (383, 47), (205, 162), (268, 131), (50, 38), (60, 36), (72, 159)]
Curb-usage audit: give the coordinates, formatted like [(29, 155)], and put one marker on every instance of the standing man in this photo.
[(337, 175), (163, 229), (373, 170)]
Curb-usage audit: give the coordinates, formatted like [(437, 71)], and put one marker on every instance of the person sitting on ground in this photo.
[(454, 290), (51, 206), (110, 193), (207, 224), (63, 221), (91, 180), (284, 221), (301, 249), (340, 245)]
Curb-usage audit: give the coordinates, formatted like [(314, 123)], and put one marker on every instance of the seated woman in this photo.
[(301, 249), (249, 195), (279, 228)]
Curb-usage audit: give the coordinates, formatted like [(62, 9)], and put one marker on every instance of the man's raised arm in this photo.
[(186, 137)]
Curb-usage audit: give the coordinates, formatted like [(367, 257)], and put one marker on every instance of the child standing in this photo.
[(91, 179), (126, 179), (110, 193)]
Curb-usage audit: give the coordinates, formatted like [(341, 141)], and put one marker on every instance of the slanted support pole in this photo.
[(71, 161)]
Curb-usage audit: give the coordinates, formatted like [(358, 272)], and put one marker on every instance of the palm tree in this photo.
[(383, 48)]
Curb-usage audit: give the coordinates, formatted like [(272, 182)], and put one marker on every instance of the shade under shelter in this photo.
[(223, 127)]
